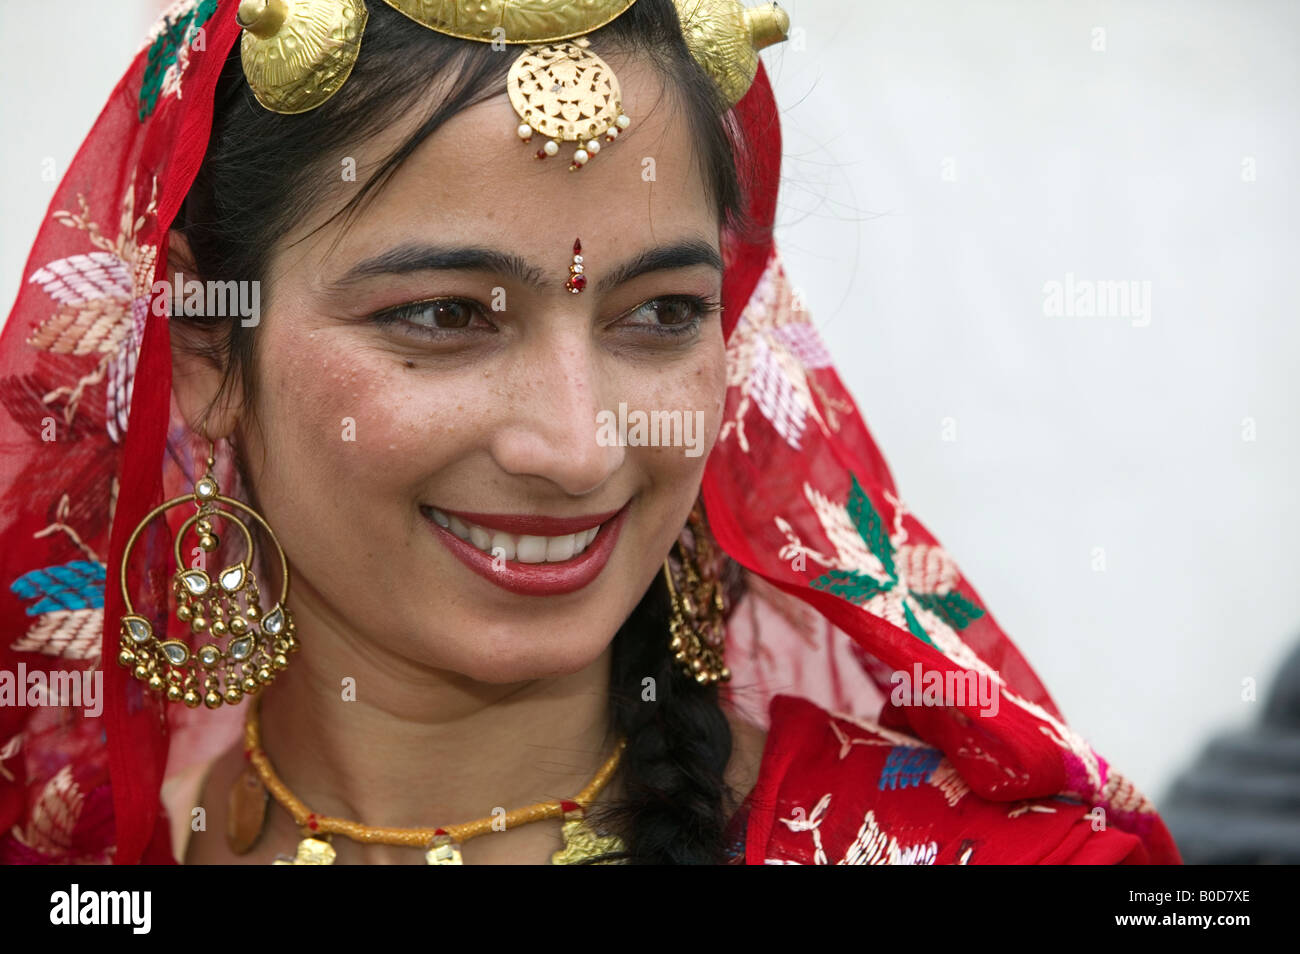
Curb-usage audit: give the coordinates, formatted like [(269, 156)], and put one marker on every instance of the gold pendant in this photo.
[(246, 811), (443, 850), (581, 843), (311, 851)]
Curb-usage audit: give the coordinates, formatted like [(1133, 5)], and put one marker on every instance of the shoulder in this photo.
[(841, 789)]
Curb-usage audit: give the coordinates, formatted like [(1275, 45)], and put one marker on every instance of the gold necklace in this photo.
[(442, 844)]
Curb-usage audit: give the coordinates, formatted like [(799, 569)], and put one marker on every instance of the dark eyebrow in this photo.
[(677, 255), (416, 258)]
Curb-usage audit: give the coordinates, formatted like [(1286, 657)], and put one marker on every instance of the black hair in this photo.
[(262, 175)]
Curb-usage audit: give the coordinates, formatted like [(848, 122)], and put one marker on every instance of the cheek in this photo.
[(695, 388), (713, 382), (348, 426), (702, 387)]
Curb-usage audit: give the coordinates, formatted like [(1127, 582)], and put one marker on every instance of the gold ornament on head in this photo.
[(568, 94), (512, 21), (725, 38), (298, 53), (225, 608)]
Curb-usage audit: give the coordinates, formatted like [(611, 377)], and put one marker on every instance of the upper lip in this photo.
[(538, 525)]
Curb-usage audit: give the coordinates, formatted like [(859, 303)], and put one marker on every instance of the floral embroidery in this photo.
[(948, 780), (69, 601), (54, 816), (169, 51), (918, 578), (811, 821), (871, 845), (913, 586), (936, 769), (769, 353), (102, 300)]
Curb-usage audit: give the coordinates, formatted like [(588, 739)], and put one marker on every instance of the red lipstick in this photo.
[(536, 579)]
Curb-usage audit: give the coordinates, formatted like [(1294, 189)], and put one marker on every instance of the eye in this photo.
[(672, 314), (434, 317)]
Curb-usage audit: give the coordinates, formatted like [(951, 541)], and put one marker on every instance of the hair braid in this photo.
[(675, 801)]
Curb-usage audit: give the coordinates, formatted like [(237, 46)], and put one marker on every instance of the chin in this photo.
[(525, 660)]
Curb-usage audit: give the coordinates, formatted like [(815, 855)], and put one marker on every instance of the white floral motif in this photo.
[(918, 568), (872, 846), (811, 821), (889, 737), (54, 816), (68, 634), (103, 302), (769, 353), (948, 780)]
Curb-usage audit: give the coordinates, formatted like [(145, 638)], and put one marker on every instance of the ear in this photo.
[(198, 363)]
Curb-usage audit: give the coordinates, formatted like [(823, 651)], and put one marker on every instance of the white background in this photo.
[(1123, 164)]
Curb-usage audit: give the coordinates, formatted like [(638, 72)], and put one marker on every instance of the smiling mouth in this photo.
[(520, 547), (566, 558)]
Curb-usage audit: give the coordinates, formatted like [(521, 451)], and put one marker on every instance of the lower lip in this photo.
[(538, 579)]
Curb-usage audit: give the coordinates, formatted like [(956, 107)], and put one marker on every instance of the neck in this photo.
[(420, 747)]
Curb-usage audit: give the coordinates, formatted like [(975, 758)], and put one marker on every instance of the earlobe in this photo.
[(199, 354)]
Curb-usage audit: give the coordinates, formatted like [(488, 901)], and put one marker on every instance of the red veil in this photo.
[(847, 586)]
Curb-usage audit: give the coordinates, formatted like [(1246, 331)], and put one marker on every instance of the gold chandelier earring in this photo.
[(696, 626), (243, 644)]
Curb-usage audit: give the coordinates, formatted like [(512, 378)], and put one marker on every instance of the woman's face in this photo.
[(490, 404)]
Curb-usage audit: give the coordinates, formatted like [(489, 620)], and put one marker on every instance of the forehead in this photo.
[(475, 182)]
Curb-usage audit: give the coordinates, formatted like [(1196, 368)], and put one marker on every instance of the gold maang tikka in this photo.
[(245, 644), (697, 625)]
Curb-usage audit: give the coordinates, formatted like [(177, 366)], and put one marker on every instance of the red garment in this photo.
[(847, 586)]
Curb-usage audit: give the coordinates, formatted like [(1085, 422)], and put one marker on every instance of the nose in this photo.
[(558, 387)]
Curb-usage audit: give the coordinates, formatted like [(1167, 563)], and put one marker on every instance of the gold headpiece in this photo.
[(298, 53)]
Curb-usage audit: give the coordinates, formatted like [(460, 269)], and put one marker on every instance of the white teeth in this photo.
[(524, 548), (531, 550), (560, 548), (480, 538), (503, 543)]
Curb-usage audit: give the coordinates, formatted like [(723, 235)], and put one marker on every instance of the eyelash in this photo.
[(401, 315)]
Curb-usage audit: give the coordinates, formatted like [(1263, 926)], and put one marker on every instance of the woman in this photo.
[(391, 359)]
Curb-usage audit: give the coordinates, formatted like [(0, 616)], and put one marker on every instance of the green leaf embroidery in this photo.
[(953, 608), (163, 51), (853, 587), (870, 527), (915, 626)]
